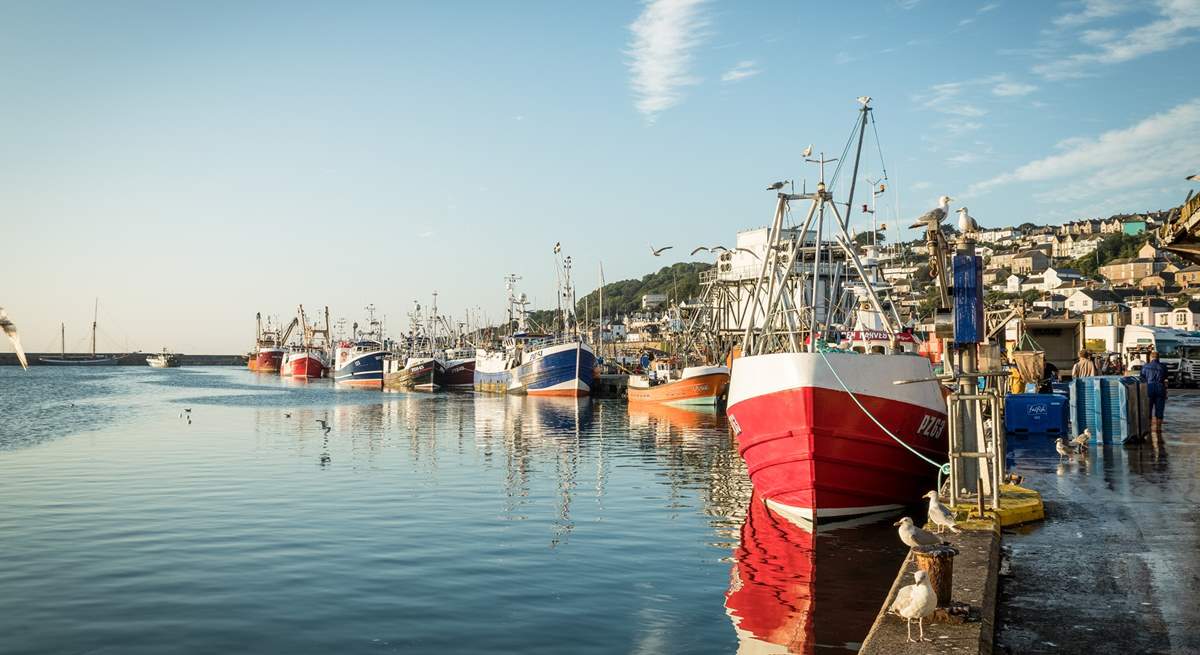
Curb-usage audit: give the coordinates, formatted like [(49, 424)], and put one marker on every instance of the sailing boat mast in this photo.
[(95, 315), (64, 340)]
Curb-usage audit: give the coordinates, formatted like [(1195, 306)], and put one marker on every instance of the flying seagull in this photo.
[(11, 331), (807, 151), (1194, 178), (657, 252), (915, 601), (752, 253), (934, 216), (698, 249), (939, 514), (777, 186), (966, 223), (912, 536)]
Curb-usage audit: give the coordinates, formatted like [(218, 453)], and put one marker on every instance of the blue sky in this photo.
[(191, 164)]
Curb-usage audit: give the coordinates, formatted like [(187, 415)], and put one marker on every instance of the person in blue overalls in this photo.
[(1154, 374)]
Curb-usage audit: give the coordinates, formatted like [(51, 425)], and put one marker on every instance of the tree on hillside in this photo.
[(678, 282), (864, 238), (1113, 246)]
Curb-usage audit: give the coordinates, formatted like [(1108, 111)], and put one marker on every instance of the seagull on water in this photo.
[(11, 331), (1063, 450), (915, 601), (934, 216), (912, 536), (966, 223), (940, 515), (659, 251)]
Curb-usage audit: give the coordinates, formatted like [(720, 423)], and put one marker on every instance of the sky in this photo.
[(191, 164)]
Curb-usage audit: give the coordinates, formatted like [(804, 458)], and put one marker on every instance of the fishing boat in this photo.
[(164, 359), (415, 367), (536, 364), (358, 362), (268, 347), (459, 368), (826, 433), (308, 359), (692, 385), (82, 359)]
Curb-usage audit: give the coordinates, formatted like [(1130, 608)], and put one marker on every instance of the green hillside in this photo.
[(678, 282)]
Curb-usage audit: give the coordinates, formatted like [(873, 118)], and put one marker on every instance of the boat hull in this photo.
[(425, 375), (698, 390), (364, 370), (564, 370), (459, 374), (268, 360), (83, 361), (304, 365), (812, 453)]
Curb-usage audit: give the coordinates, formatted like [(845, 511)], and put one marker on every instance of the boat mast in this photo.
[(64, 340), (95, 315)]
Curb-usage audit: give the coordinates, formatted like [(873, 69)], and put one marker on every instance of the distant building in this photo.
[(1186, 277), (1085, 300), (1053, 302), (1143, 312), (1030, 261), (1186, 315), (1107, 315), (652, 300), (1133, 226), (1129, 271), (1056, 277)]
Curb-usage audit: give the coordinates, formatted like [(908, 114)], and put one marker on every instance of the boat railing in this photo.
[(547, 342)]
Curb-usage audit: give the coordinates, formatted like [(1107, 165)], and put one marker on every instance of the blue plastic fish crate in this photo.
[(1114, 408), (1036, 413)]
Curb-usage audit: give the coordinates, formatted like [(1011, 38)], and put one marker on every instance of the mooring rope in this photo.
[(943, 469)]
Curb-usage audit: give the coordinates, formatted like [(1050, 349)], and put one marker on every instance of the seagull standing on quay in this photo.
[(912, 536), (11, 331), (915, 601), (966, 223), (1063, 451), (1081, 440), (934, 216), (940, 515)]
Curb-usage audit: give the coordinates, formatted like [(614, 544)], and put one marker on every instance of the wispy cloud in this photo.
[(921, 185), (664, 36), (741, 71), (1116, 163), (1007, 89), (907, 4), (843, 58), (988, 7), (1177, 24), (1092, 10)]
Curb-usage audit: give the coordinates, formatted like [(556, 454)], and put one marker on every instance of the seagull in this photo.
[(966, 224), (912, 536), (557, 247), (934, 216), (915, 601), (699, 249), (777, 186), (716, 248), (807, 151), (939, 514), (657, 252), (1081, 440), (754, 254), (864, 100), (11, 331), (1194, 178), (1062, 449)]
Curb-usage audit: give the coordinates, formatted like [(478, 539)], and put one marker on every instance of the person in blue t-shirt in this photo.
[(1154, 374)]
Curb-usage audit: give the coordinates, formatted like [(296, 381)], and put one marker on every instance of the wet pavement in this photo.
[(1115, 568)]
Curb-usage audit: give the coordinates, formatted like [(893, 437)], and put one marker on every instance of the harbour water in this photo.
[(448, 523)]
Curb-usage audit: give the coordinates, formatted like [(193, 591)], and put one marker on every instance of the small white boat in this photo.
[(164, 360)]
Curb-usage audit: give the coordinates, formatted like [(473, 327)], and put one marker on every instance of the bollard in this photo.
[(938, 562)]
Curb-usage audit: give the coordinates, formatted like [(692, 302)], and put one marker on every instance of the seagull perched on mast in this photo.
[(966, 223), (659, 251), (934, 216), (11, 331)]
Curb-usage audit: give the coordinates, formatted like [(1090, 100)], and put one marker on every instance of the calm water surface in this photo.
[(448, 523)]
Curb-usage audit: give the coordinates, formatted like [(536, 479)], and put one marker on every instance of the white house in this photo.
[(1085, 300), (1053, 302), (1057, 277), (1144, 312)]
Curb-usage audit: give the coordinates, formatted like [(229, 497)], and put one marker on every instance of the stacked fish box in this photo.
[(1036, 414), (1115, 409)]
